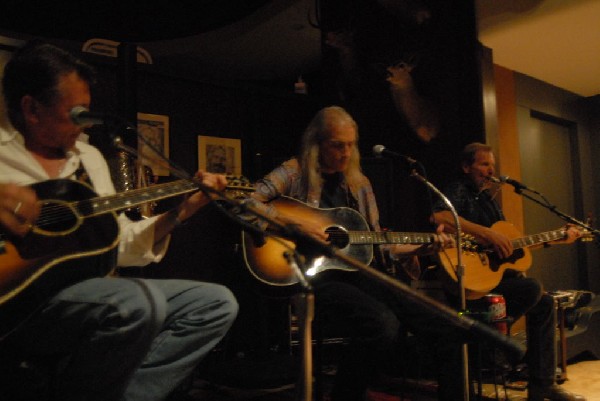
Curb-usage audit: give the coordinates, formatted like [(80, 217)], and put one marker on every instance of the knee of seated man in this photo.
[(218, 298), (544, 306), (386, 326), (138, 308)]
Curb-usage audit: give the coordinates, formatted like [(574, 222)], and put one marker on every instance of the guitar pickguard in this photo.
[(496, 262)]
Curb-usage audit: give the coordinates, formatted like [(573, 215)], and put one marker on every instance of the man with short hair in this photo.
[(124, 339), (478, 211)]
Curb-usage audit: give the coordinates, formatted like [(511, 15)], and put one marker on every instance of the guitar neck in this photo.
[(134, 197), (536, 239), (388, 237)]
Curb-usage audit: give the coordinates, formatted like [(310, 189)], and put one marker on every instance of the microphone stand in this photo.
[(514, 350), (546, 204), (315, 246), (460, 272), (304, 303)]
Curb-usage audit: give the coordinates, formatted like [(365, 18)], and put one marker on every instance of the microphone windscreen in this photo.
[(378, 149)]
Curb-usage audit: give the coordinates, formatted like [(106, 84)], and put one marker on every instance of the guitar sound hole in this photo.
[(56, 217), (337, 236)]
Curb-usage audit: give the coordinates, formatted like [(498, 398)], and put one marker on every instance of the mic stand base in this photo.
[(304, 305)]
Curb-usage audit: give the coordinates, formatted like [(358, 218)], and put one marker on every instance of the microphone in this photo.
[(380, 150), (518, 186), (82, 116), (494, 179)]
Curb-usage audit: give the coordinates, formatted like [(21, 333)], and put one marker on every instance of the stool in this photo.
[(508, 321), (562, 301)]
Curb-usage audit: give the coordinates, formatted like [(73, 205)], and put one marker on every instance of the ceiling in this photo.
[(556, 41), (280, 41)]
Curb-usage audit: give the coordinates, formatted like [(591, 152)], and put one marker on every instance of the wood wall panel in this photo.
[(508, 155)]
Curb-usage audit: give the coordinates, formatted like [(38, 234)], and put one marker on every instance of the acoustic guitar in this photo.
[(74, 238), (347, 231), (483, 267)]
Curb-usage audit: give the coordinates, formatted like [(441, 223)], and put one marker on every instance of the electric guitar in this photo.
[(74, 238), (347, 229), (484, 269)]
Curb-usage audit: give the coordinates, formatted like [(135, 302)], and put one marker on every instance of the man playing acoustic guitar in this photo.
[(326, 174), (119, 338), (478, 211)]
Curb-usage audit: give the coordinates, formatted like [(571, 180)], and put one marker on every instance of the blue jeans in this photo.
[(127, 339), (524, 296)]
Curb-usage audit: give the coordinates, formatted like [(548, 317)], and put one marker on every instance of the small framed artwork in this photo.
[(220, 155), (154, 128)]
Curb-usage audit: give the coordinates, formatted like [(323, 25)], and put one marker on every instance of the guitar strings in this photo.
[(53, 213), (383, 237), (66, 211)]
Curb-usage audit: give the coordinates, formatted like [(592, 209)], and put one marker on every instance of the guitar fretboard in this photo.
[(127, 199), (540, 238), (383, 237)]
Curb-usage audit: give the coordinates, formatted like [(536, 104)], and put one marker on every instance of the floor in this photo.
[(583, 377), (272, 379)]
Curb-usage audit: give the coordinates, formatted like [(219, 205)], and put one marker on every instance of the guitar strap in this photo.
[(81, 175), (335, 192)]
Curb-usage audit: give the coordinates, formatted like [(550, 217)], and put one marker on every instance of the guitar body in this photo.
[(483, 269), (62, 249), (268, 262)]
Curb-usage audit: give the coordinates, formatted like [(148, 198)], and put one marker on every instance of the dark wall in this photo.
[(207, 247), (269, 124), (441, 48), (269, 120)]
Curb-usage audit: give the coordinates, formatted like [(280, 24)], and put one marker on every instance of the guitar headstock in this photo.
[(587, 236), (469, 243), (238, 186)]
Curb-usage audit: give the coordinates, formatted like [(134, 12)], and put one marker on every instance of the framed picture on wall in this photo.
[(220, 155), (155, 129)]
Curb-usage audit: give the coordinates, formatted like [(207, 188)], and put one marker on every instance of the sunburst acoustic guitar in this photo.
[(347, 231), (74, 238)]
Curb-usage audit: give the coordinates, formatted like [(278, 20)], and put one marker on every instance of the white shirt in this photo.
[(17, 165)]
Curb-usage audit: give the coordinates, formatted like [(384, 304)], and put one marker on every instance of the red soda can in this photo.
[(497, 312)]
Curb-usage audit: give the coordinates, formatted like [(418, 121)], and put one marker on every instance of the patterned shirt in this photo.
[(470, 203), (286, 180)]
